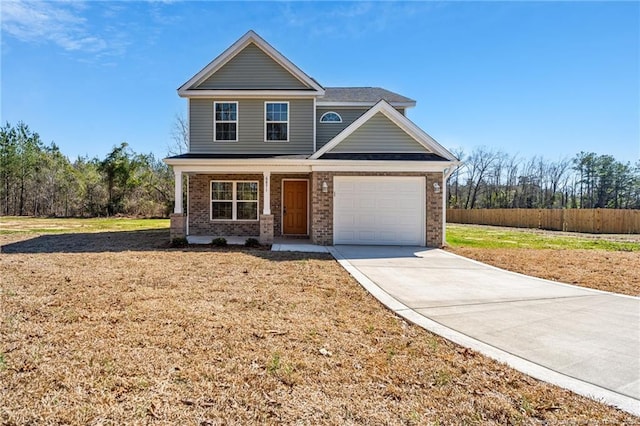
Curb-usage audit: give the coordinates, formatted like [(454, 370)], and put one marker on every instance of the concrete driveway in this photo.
[(584, 340)]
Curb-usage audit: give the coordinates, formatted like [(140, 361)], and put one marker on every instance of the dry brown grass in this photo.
[(137, 333), (615, 271)]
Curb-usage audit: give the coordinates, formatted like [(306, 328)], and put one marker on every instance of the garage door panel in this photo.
[(379, 210)]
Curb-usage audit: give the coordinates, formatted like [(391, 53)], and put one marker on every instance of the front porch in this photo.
[(268, 206)]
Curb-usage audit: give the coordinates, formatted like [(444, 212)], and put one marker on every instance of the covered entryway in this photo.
[(379, 210), (295, 200)]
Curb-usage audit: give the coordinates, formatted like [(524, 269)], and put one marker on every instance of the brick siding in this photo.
[(200, 222), (322, 206), (320, 209)]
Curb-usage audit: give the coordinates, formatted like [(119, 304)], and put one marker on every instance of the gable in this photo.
[(252, 68), (379, 134)]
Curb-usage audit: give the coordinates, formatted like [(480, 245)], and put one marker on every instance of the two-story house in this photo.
[(274, 153)]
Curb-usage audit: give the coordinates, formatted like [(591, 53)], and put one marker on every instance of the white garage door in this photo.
[(380, 210)]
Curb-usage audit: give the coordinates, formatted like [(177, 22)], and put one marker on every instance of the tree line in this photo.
[(494, 179), (39, 180)]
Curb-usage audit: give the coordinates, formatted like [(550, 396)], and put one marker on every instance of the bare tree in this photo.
[(478, 166), (453, 183), (179, 135)]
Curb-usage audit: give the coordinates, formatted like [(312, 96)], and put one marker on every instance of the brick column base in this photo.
[(178, 226), (266, 229)]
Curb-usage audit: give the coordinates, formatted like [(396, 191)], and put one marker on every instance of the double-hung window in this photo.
[(276, 121), (225, 121), (231, 200)]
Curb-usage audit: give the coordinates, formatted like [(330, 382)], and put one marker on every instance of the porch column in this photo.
[(266, 194), (178, 221), (177, 209), (266, 218)]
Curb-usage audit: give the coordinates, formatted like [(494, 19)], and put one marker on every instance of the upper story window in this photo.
[(276, 121), (225, 122), (331, 117)]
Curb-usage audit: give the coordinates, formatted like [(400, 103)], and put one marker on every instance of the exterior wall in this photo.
[(251, 128), (199, 208), (435, 215), (322, 206), (252, 69), (327, 131), (379, 134)]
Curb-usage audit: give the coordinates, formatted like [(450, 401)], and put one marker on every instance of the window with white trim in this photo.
[(225, 121), (331, 117), (234, 200), (276, 121)]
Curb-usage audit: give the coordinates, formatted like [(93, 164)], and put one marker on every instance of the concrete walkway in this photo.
[(584, 340)]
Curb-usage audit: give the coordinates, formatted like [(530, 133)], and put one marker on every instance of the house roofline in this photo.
[(337, 104), (237, 47), (296, 165), (400, 120), (248, 94)]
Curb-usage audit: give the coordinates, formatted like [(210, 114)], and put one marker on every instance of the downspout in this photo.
[(446, 174)]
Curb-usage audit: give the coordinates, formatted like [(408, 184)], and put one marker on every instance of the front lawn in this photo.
[(38, 225), (198, 336), (602, 262)]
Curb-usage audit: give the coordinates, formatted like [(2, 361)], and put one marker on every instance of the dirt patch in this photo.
[(199, 336), (615, 271)]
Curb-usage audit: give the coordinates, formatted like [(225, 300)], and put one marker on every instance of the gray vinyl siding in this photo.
[(252, 69), (251, 128), (379, 134), (327, 131)]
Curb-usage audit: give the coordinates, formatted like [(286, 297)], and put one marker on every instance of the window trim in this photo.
[(234, 200), (330, 122), (286, 122), (215, 122)]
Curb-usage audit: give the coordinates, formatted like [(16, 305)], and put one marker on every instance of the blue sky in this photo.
[(528, 78)]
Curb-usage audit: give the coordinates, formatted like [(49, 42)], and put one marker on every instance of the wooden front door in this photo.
[(294, 207)]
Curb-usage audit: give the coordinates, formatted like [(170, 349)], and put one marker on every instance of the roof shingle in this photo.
[(363, 94)]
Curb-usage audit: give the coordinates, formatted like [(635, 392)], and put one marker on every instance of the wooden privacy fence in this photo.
[(595, 221)]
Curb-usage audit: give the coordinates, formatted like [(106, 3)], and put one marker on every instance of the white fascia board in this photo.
[(237, 47), (249, 94), (348, 131), (302, 166), (327, 104), (380, 166), (418, 134), (396, 117)]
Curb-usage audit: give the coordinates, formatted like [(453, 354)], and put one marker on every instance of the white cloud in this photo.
[(61, 23)]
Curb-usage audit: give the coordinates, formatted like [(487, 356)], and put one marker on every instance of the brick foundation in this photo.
[(266, 229), (178, 226)]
